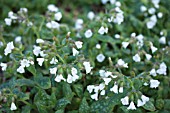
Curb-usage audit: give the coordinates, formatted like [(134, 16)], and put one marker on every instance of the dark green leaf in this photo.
[(43, 82), (61, 103), (149, 106), (84, 107)]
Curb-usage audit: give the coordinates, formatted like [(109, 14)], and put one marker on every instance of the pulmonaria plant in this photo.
[(111, 59)]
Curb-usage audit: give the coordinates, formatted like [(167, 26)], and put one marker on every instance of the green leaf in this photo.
[(32, 69), (137, 83), (149, 106), (67, 91), (159, 103), (107, 105), (43, 82), (21, 95), (84, 107), (59, 111), (24, 82), (26, 109), (108, 39), (167, 104), (43, 101), (61, 103), (78, 89)]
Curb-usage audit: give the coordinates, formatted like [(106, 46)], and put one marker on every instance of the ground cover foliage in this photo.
[(86, 56)]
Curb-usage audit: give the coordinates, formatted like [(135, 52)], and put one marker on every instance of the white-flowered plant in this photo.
[(105, 56)]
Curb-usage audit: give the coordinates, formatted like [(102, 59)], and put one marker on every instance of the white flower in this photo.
[(162, 69), (75, 77), (40, 61), (119, 18), (52, 8), (120, 62), (143, 8), (75, 52), (125, 44), (121, 90), (53, 25), (13, 106), (90, 88), (11, 15), (78, 44), (153, 72), (53, 61), (32, 62), (160, 15), (53, 70), (88, 33), (8, 21), (39, 41), (98, 46), (69, 78), (118, 4), (117, 36), (133, 35), (162, 40), (125, 100), (110, 19), (145, 84), (102, 92), (95, 96), (112, 1), (79, 24), (148, 56), (154, 83), (114, 89), (140, 103), (87, 67), (4, 66), (137, 58), (102, 30), (36, 50), (9, 48), (107, 80), (145, 98), (42, 54), (155, 3), (153, 49), (140, 38), (152, 22), (73, 71), (151, 10), (1, 44), (18, 39), (132, 106), (101, 86), (104, 1), (100, 58), (96, 89), (58, 78), (23, 10), (91, 15), (102, 73), (21, 69), (161, 33), (143, 101), (29, 24), (25, 63), (58, 16)]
